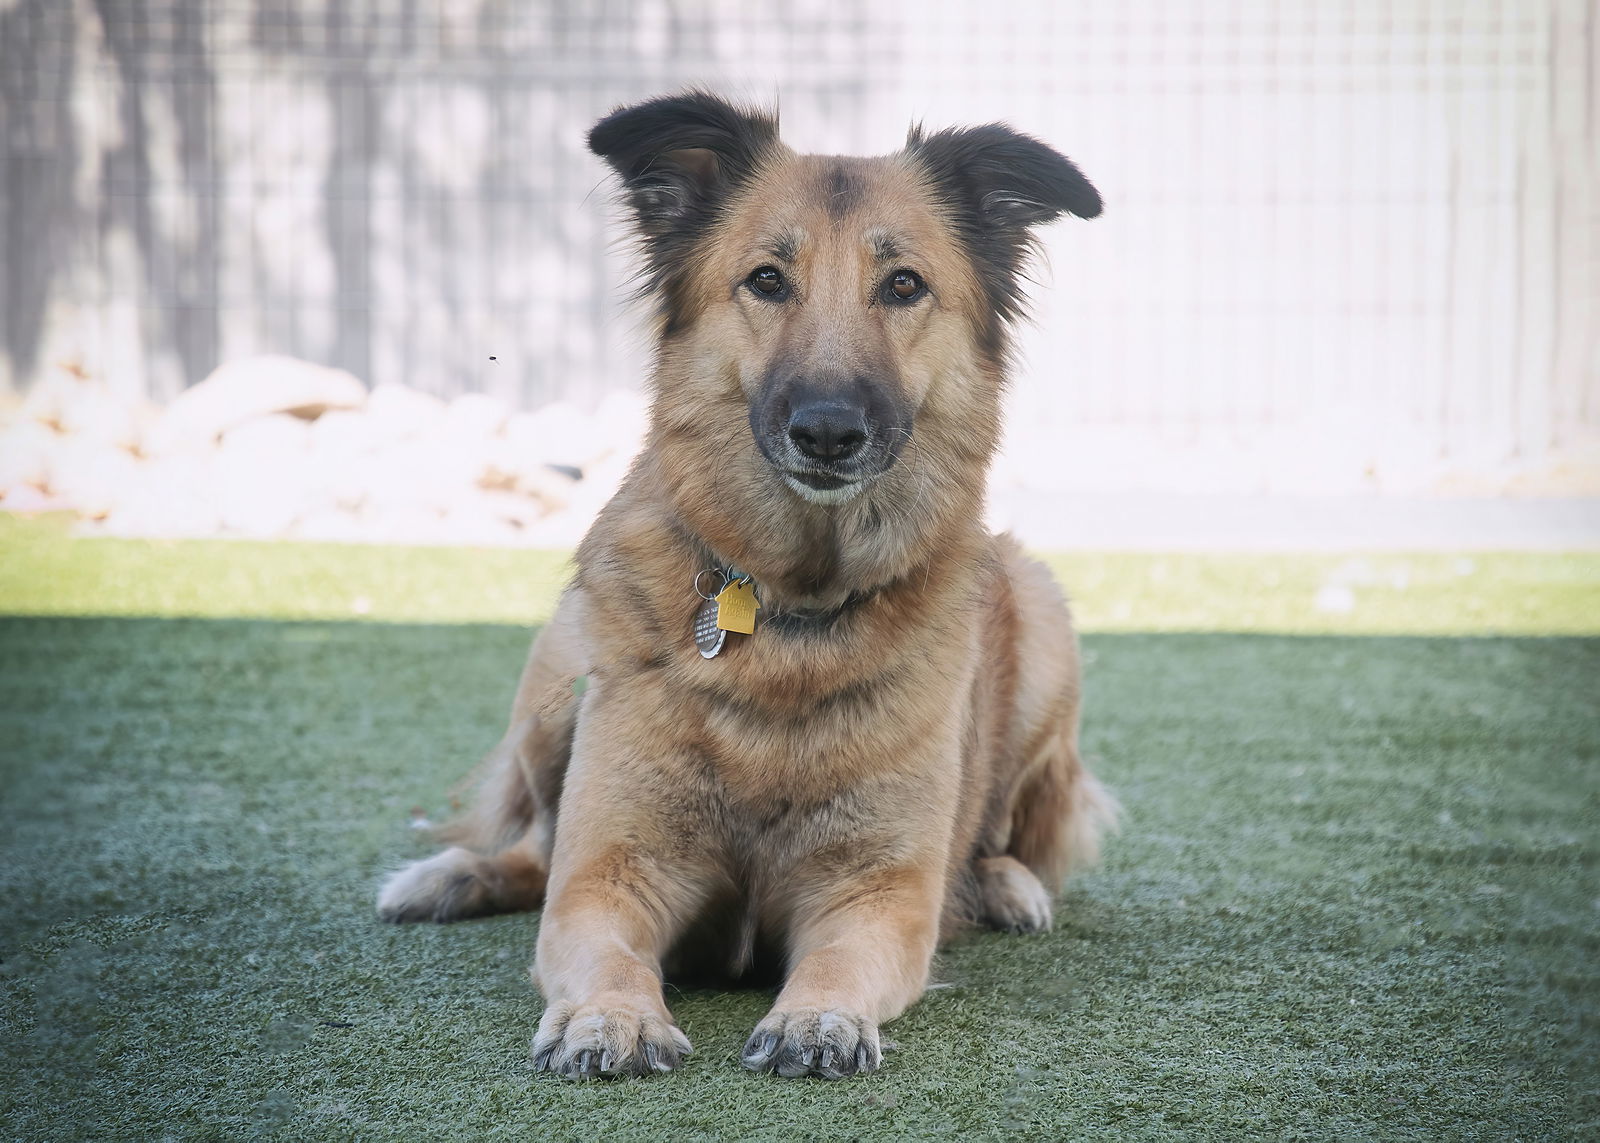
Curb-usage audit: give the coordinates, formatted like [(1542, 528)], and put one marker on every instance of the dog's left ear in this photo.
[(998, 184), (679, 156)]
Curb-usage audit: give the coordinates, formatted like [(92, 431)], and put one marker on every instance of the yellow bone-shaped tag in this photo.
[(736, 607)]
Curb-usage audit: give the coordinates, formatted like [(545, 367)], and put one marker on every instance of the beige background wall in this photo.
[(1349, 245)]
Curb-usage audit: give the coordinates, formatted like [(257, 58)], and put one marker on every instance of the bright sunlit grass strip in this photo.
[(1506, 593), (45, 571)]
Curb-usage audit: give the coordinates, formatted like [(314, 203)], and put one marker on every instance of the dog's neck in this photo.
[(809, 559)]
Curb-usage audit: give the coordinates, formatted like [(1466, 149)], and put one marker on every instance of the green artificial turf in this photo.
[(1355, 896)]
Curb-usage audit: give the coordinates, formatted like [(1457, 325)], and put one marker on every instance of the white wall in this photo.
[(1348, 244)]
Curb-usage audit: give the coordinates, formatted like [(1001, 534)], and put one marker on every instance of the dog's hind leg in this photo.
[(1014, 899), (1054, 811), (1057, 818), (501, 853), (1060, 813)]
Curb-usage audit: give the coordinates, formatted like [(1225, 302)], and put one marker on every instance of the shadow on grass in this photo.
[(1355, 895)]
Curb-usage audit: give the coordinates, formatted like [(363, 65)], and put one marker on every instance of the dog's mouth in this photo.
[(821, 486), (828, 483), (827, 487), (823, 481)]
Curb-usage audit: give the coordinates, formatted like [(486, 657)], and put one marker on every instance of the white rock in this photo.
[(457, 460), (511, 507), (260, 509), (426, 473), (558, 433), (342, 447), (70, 402), (623, 418), (471, 522), (599, 484), (562, 530), (264, 478), (511, 468), (398, 412), (89, 476), (25, 451), (111, 421), (338, 481), (275, 437), (174, 497), (60, 396), (329, 524), (475, 416), (27, 500), (342, 433), (239, 391), (402, 525)]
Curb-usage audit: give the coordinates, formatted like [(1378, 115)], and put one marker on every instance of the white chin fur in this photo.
[(825, 495)]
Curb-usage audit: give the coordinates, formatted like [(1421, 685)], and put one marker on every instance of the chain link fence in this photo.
[(1349, 243)]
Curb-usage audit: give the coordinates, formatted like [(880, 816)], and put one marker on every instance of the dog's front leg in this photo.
[(598, 964), (859, 961), (628, 874)]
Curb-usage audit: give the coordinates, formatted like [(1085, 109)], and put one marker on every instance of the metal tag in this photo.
[(707, 635)]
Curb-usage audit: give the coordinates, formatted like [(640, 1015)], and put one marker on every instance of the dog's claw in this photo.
[(758, 1056), (831, 1043), (581, 1043)]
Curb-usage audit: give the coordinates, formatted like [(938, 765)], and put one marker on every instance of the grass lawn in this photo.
[(1355, 896)]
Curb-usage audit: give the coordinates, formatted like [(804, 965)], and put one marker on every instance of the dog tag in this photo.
[(736, 607), (707, 635)]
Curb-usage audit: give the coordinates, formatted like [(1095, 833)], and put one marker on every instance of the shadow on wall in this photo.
[(1339, 256), (401, 192)]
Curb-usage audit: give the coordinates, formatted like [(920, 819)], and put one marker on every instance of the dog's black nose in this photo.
[(828, 430)]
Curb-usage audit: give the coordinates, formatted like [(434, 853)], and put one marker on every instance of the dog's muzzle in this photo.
[(828, 444)]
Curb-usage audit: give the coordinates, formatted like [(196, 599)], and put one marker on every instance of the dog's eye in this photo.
[(903, 286), (767, 281)]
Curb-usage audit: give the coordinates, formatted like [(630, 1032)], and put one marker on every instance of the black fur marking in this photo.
[(844, 190), (884, 246), (997, 184), (785, 247), (679, 158), (800, 624)]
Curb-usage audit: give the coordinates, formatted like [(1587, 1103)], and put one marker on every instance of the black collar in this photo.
[(792, 621)]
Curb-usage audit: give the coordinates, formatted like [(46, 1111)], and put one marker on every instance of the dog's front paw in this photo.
[(831, 1043), (607, 1038)]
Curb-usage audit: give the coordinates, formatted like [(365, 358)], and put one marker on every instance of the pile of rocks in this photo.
[(275, 447)]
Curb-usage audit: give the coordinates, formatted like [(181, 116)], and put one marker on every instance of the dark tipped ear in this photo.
[(680, 155), (1007, 178), (998, 183)]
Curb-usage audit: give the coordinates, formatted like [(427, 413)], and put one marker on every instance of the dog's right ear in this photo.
[(678, 157)]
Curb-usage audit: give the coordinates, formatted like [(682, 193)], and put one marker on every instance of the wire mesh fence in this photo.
[(1353, 240)]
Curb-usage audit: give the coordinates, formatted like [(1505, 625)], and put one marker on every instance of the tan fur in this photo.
[(840, 800)]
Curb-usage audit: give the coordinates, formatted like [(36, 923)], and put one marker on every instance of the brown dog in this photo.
[(892, 753)]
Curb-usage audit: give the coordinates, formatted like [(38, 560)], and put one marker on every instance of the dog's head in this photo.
[(840, 300)]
